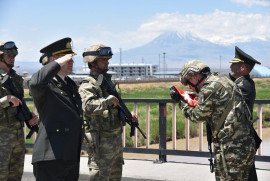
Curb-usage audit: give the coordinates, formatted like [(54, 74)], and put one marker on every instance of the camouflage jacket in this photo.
[(213, 97), (8, 115), (97, 104)]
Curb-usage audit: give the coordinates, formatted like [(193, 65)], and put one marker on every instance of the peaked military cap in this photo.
[(60, 47), (241, 56)]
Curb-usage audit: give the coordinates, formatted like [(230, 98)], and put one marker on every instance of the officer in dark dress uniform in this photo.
[(56, 153), (241, 66)]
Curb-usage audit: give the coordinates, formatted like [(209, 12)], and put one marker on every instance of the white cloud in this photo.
[(218, 27), (250, 3)]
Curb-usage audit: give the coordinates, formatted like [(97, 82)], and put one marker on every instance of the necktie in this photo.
[(69, 85), (66, 81)]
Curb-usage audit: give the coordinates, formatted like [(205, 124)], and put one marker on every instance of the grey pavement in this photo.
[(177, 168)]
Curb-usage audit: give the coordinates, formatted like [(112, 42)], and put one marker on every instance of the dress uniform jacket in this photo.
[(60, 113), (247, 86)]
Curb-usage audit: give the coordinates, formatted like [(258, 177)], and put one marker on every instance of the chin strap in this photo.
[(204, 75), (8, 65), (196, 86)]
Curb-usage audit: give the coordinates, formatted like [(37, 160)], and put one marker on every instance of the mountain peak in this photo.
[(173, 36), (187, 35)]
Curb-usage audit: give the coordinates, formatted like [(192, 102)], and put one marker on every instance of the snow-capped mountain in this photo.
[(179, 48)]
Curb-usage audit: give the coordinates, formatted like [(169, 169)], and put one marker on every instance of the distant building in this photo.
[(167, 74), (139, 70)]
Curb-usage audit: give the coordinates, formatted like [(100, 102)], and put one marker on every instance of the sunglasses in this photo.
[(104, 51), (8, 46)]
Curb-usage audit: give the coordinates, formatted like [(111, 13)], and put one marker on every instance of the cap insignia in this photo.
[(68, 45)]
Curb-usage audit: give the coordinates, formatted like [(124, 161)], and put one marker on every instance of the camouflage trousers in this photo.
[(12, 150), (107, 161), (233, 160)]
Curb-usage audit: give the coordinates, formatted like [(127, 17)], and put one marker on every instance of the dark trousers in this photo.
[(56, 170), (252, 174)]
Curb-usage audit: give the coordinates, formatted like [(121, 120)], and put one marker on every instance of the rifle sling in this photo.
[(224, 114)]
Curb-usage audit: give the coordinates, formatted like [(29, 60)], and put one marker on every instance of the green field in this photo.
[(161, 91)]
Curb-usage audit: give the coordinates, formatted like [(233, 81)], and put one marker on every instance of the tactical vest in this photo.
[(107, 122), (235, 122), (8, 115)]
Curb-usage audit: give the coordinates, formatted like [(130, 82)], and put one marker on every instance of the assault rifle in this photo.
[(209, 140), (23, 112), (124, 113)]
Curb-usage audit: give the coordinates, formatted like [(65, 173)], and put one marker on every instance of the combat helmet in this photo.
[(8, 47), (192, 68), (97, 51)]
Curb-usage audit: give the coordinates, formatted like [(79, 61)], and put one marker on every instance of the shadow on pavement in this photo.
[(28, 176)]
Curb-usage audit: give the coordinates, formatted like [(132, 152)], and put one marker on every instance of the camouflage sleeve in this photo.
[(4, 102), (210, 97), (92, 100), (18, 82)]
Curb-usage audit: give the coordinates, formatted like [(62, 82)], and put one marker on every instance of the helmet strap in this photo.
[(8, 65), (103, 71), (196, 85)]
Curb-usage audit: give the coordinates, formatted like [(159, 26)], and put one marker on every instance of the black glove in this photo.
[(175, 95)]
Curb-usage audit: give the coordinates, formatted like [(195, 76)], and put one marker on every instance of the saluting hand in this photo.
[(63, 60), (14, 100)]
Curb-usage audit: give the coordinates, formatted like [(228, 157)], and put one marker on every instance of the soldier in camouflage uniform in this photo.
[(241, 66), (220, 104), (12, 144), (103, 127)]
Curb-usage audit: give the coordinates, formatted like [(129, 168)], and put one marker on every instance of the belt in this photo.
[(110, 134)]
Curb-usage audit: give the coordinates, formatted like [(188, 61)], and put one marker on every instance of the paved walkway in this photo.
[(177, 168)]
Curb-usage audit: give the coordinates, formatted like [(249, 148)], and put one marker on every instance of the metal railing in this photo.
[(162, 151)]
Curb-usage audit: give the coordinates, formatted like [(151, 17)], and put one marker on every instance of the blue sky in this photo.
[(126, 24)]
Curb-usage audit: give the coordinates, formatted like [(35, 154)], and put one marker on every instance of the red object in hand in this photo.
[(189, 97)]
